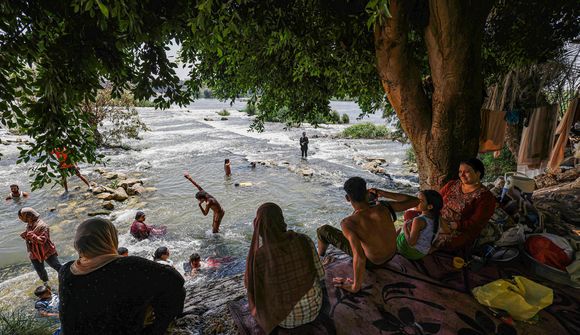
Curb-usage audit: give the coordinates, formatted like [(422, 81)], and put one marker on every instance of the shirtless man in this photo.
[(15, 193), (368, 233), (202, 196)]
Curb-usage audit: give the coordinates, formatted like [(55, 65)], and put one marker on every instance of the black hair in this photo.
[(356, 188), (122, 250), (227, 160), (139, 214), (194, 257), (476, 165), (434, 199), (201, 194), (20, 212), (41, 290), (14, 185), (160, 252)]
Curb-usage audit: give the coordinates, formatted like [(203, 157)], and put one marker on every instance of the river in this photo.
[(180, 140)]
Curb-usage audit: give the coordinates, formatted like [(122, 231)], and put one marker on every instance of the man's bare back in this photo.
[(375, 230)]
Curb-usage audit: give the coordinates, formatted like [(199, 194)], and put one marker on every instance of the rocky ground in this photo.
[(205, 310)]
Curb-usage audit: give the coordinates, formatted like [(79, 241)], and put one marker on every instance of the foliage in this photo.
[(144, 103), (410, 156), (113, 119), (366, 130), (334, 117), (250, 109), (223, 112), (497, 167), (345, 119), (293, 56), (18, 322)]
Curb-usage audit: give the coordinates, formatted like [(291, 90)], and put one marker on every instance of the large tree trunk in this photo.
[(444, 130)]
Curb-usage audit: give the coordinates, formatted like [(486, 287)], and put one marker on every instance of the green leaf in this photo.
[(103, 8)]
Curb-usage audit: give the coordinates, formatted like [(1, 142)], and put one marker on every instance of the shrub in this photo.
[(334, 117), (144, 103), (345, 119), (223, 112), (18, 322), (366, 130), (250, 109), (411, 158), (207, 94), (496, 167)]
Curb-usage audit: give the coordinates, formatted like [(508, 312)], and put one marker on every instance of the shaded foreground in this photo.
[(425, 297)]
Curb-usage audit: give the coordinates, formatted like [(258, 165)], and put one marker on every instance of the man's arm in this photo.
[(9, 197), (358, 259), (205, 210), (188, 177), (401, 201)]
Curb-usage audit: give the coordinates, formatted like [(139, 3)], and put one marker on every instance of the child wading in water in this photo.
[(202, 196), (416, 236)]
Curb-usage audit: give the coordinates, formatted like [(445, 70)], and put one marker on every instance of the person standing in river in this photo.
[(40, 247), (16, 193), (304, 145), (211, 203), (64, 164)]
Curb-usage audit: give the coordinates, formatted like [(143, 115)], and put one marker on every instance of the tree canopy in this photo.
[(55, 55)]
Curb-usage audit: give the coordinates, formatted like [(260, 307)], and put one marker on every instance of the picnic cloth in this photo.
[(424, 297)]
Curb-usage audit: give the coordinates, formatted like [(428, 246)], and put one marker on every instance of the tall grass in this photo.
[(20, 323), (223, 112)]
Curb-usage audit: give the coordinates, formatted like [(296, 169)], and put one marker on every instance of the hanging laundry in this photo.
[(557, 155), (493, 128), (537, 137)]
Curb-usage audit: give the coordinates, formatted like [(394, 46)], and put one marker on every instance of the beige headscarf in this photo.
[(96, 242), (33, 220)]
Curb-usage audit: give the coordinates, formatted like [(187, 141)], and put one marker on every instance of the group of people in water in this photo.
[(284, 269)]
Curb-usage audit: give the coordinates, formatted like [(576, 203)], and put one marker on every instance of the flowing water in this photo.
[(179, 140)]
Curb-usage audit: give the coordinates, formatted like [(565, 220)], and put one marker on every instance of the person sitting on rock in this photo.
[(202, 196), (141, 231), (368, 233), (47, 303), (414, 240), (283, 273), (161, 256), (16, 193)]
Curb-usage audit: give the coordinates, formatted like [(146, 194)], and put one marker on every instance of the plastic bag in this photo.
[(520, 297)]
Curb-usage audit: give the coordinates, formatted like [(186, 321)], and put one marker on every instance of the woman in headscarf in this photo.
[(104, 293), (283, 273), (141, 231), (40, 247)]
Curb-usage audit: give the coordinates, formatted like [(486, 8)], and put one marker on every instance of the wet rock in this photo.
[(108, 205), (144, 165), (120, 194), (224, 118), (129, 182), (207, 119), (105, 196), (205, 310), (99, 189), (52, 209), (307, 172), (98, 212), (100, 171), (136, 189), (374, 159), (150, 189)]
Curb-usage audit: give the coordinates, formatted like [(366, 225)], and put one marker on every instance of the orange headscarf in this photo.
[(279, 271), (96, 242)]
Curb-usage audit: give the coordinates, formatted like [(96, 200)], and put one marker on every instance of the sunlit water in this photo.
[(179, 140)]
